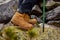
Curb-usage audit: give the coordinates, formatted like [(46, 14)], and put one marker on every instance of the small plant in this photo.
[(13, 33), (33, 33)]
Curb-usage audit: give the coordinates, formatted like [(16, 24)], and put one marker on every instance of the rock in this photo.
[(4, 1), (1, 26), (36, 10), (53, 14), (45, 25), (55, 23), (5, 25), (38, 18), (9, 24), (7, 11), (51, 5)]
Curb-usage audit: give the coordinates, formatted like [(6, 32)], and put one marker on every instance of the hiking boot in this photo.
[(27, 18), (18, 19)]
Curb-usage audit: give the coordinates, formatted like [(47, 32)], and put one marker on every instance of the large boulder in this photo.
[(36, 10), (53, 17), (6, 10), (53, 14), (55, 23), (50, 4)]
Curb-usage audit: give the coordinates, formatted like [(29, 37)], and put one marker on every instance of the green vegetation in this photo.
[(12, 33)]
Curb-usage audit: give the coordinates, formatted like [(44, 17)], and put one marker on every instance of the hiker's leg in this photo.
[(26, 5)]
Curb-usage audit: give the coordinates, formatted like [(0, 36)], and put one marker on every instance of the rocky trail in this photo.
[(7, 10), (52, 21)]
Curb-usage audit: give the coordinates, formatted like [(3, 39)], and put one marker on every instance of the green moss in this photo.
[(33, 32)]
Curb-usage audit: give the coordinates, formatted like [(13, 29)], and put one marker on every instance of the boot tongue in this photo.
[(4, 1)]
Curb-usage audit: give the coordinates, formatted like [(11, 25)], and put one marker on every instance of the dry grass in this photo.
[(34, 34)]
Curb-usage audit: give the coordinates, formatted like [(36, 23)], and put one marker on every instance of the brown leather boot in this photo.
[(27, 18), (18, 19), (33, 21)]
